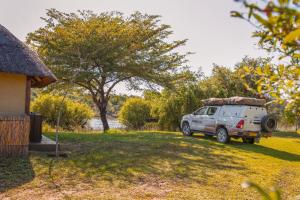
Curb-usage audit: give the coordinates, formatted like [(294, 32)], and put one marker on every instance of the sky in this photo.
[(213, 36)]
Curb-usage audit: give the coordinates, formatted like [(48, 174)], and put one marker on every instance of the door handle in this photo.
[(211, 118)]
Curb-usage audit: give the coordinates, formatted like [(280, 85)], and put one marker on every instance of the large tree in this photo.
[(98, 51)]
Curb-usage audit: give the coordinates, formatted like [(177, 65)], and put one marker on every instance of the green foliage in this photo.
[(278, 31), (292, 113), (170, 112), (225, 82), (115, 103), (47, 128), (73, 115), (98, 51), (170, 105), (277, 23), (251, 80), (134, 113)]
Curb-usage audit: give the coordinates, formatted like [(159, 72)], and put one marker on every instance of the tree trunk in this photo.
[(104, 122), (102, 111)]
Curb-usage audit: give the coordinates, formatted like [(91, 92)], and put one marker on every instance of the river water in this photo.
[(96, 124)]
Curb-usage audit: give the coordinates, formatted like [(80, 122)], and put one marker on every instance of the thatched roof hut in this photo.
[(20, 70), (17, 58)]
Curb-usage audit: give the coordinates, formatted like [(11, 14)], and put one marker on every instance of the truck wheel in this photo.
[(248, 140), (186, 131), (222, 135), (268, 123)]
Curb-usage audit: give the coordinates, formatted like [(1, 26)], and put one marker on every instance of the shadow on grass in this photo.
[(14, 172), (133, 157), (286, 135), (283, 155)]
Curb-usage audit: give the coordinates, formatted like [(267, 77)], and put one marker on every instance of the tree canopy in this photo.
[(98, 51)]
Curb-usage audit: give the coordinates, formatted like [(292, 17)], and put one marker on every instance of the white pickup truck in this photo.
[(226, 121)]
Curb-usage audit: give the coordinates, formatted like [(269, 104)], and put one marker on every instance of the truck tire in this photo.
[(222, 135), (268, 123), (186, 131)]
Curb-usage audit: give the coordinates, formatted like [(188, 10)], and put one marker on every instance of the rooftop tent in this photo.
[(234, 101), (17, 58)]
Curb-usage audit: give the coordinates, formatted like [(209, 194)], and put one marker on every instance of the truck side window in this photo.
[(211, 110), (200, 111)]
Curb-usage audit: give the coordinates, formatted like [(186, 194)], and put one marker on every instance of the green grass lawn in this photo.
[(154, 165)]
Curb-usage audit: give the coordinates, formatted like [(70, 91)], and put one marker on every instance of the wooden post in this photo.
[(28, 95)]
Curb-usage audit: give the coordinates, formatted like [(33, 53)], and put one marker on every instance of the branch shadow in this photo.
[(283, 155), (15, 172), (286, 135), (275, 153), (129, 159)]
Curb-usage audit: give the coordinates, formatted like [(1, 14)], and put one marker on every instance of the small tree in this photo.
[(134, 113), (98, 51)]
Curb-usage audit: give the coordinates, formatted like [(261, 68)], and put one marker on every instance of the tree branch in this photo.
[(114, 84)]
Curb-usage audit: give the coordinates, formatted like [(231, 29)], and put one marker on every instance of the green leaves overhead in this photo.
[(278, 31), (293, 36), (277, 24)]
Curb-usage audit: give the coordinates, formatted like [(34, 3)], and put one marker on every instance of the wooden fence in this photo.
[(14, 135)]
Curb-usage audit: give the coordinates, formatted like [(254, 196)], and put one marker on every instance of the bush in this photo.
[(47, 128), (134, 113), (172, 105), (74, 114)]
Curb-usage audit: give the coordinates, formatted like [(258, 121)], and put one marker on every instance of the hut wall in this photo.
[(12, 93), (14, 135)]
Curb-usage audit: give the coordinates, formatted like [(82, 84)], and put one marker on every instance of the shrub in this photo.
[(134, 113), (172, 105), (74, 114), (47, 128)]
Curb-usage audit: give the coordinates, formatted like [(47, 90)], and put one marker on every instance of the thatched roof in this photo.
[(17, 58)]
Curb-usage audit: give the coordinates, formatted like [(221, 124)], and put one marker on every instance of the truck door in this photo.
[(197, 119), (209, 119)]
